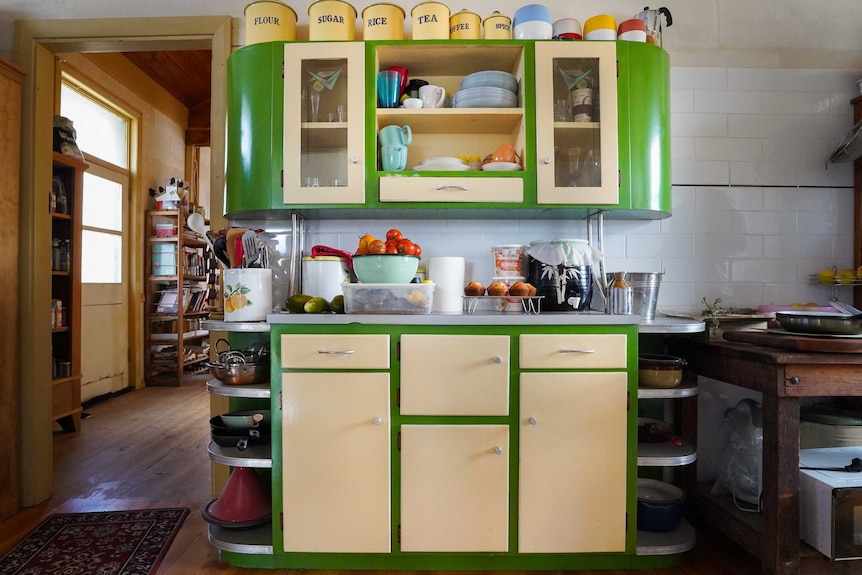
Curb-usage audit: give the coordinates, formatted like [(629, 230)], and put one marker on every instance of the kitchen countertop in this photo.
[(661, 324)]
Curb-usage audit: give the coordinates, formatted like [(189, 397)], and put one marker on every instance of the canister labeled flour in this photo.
[(430, 21), (383, 22), (269, 21), (331, 20)]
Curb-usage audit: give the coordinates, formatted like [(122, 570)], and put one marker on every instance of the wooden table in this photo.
[(783, 377)]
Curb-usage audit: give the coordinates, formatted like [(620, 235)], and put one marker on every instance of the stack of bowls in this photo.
[(487, 89), (443, 163), (533, 22)]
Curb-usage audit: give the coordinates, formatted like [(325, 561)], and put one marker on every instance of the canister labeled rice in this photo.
[(497, 27), (383, 22), (430, 21), (269, 21), (331, 20), (464, 25)]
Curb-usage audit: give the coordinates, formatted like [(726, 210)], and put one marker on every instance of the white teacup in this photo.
[(432, 96), (413, 103)]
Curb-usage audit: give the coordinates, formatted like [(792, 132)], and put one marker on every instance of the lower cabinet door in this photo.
[(455, 488), (572, 494), (336, 466)]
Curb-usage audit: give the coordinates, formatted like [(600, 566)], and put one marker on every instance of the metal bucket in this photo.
[(268, 21), (644, 292)]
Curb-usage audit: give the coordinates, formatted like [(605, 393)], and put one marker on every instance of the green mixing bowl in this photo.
[(385, 268)]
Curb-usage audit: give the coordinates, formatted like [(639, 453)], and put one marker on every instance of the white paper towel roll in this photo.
[(448, 274)]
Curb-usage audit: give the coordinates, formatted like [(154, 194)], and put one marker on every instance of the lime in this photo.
[(316, 305), (317, 86)]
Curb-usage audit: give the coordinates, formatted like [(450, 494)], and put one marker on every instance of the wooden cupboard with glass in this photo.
[(65, 208), (273, 148)]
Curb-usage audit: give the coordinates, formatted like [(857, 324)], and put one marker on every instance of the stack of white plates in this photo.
[(444, 163), (491, 79), (485, 97)]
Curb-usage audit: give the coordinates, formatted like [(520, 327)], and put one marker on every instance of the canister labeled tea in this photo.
[(383, 22), (497, 27), (464, 26), (331, 20), (430, 21), (269, 21)]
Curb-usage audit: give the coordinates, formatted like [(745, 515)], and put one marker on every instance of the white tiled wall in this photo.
[(756, 208)]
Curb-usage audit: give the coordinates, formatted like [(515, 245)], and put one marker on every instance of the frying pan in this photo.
[(819, 322)]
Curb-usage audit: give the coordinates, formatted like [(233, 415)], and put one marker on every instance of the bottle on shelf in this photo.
[(55, 255), (61, 202), (64, 256)]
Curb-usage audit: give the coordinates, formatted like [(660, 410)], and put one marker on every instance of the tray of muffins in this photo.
[(502, 296)]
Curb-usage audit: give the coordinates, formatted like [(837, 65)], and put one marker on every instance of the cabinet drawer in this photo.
[(65, 397), (454, 374), (305, 351), (451, 190), (573, 351)]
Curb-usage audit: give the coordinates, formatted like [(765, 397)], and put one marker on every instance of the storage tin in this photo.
[(331, 20), (269, 21), (323, 276), (497, 27), (383, 22), (465, 25), (164, 259), (430, 21)]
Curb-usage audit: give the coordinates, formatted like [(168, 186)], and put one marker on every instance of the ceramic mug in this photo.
[(395, 136), (404, 73), (393, 158), (432, 96), (505, 153), (413, 103)]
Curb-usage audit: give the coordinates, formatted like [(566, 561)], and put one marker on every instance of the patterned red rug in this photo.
[(101, 543)]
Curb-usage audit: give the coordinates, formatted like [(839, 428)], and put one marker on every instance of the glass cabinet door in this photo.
[(324, 123), (576, 123)]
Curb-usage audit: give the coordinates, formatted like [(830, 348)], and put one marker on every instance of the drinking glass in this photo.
[(315, 106), (388, 88)]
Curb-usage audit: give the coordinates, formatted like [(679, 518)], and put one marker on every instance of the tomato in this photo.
[(394, 235), (377, 247), (407, 247), (391, 247), (361, 251), (418, 251), (364, 241)]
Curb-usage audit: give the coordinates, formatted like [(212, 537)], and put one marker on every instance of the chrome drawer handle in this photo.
[(378, 421), (533, 421), (339, 352), (462, 188), (498, 450), (498, 359), (577, 351)]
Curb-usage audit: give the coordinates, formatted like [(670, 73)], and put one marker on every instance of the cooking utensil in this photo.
[(197, 224), (220, 251), (826, 323), (848, 309), (250, 250)]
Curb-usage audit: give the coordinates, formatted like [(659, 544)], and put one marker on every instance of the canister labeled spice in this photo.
[(383, 22), (464, 26), (331, 20), (430, 21), (497, 27), (269, 21)]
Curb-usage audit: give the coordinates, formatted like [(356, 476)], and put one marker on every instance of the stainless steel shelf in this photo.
[(259, 456), (672, 542), (256, 541), (251, 390), (665, 454), (236, 326), (684, 389)]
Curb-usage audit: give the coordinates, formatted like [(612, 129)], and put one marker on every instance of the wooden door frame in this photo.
[(36, 42)]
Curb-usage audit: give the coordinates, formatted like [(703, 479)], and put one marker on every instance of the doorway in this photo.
[(36, 43)]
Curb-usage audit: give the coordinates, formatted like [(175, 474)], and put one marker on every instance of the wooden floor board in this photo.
[(148, 448)]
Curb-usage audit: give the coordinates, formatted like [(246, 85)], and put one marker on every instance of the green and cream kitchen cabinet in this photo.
[(302, 130)]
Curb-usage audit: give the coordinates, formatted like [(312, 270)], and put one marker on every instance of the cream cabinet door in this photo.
[(324, 123), (455, 488), (572, 493), (336, 466), (454, 374), (577, 159)]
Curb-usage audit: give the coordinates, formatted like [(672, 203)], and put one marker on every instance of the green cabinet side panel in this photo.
[(644, 127), (255, 118)]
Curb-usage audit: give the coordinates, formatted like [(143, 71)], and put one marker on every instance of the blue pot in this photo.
[(660, 505)]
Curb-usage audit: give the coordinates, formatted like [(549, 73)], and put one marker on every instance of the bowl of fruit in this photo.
[(390, 261)]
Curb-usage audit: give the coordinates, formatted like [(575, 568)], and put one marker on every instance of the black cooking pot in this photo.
[(239, 437)]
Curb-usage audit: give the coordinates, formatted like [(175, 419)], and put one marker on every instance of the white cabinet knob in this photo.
[(498, 450), (354, 159), (378, 420), (533, 421), (498, 359), (547, 160)]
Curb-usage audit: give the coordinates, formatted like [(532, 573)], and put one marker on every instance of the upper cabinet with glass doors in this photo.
[(324, 142), (576, 123)]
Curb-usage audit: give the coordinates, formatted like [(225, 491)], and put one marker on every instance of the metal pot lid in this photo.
[(850, 146), (830, 416), (655, 491), (661, 361)]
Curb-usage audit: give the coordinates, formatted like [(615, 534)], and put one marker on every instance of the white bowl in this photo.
[(533, 30)]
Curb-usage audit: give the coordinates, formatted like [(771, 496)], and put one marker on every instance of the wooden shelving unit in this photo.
[(180, 279), (68, 173), (857, 207)]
